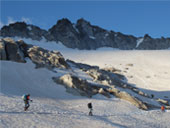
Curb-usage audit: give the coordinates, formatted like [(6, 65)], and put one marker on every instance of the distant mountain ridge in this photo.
[(83, 35)]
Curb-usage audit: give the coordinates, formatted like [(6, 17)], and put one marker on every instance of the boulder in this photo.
[(2, 50), (162, 101), (13, 52), (131, 65)]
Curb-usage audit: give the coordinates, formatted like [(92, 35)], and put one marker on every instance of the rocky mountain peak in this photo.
[(14, 28), (83, 35), (65, 32), (146, 36), (21, 29), (18, 26), (84, 27), (64, 21), (82, 21), (62, 26)]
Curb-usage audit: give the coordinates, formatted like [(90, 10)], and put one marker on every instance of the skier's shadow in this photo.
[(13, 112)]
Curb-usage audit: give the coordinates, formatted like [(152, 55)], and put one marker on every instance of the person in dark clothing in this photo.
[(152, 96), (90, 108), (26, 99)]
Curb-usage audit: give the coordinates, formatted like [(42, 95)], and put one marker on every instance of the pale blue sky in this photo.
[(136, 18)]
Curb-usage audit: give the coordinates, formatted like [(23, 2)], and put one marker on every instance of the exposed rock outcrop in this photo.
[(10, 50), (46, 58), (18, 50), (76, 86), (165, 102), (104, 77), (124, 95), (112, 70), (84, 67), (112, 81), (104, 92), (73, 83)]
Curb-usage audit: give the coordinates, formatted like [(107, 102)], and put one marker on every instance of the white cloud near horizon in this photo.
[(26, 20), (11, 20)]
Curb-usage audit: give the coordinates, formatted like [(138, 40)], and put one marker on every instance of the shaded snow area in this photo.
[(53, 107), (29, 28), (106, 35), (139, 41), (74, 25)]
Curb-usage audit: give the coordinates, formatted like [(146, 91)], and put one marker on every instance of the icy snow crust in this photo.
[(53, 107)]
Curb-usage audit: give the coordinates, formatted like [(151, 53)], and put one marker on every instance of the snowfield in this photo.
[(53, 107)]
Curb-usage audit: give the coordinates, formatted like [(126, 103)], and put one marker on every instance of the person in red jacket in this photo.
[(26, 99), (163, 108)]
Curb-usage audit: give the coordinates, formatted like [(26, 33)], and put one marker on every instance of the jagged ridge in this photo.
[(83, 35)]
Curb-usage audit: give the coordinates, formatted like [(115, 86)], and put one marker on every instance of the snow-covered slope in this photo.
[(150, 68), (53, 107)]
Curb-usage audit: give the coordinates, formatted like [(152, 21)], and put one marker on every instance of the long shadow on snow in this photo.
[(12, 112), (102, 118)]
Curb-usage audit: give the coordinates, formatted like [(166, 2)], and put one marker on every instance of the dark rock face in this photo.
[(125, 42), (10, 51), (93, 37), (21, 29), (83, 35), (2, 50), (153, 44), (63, 31), (24, 47)]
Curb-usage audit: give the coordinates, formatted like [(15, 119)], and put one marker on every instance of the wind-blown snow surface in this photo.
[(53, 107)]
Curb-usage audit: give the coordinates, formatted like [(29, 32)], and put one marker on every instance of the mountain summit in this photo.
[(83, 35)]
